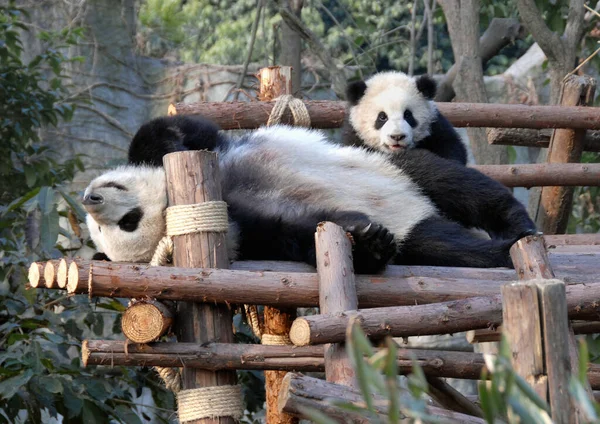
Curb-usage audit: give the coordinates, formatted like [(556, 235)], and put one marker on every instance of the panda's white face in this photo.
[(392, 115), (126, 212)]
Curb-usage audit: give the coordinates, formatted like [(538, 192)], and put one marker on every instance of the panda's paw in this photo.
[(374, 247)]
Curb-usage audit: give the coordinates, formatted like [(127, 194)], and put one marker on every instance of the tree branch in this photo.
[(338, 80), (575, 24), (548, 40), (240, 82)]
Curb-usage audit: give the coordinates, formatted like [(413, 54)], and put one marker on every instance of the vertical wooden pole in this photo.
[(337, 293), (566, 146), (275, 81), (536, 324), (193, 177)]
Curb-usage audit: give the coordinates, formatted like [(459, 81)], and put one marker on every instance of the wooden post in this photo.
[(337, 293), (274, 82), (193, 177), (566, 146), (536, 324)]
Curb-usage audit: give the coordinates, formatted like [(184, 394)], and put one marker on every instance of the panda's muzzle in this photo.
[(93, 199)]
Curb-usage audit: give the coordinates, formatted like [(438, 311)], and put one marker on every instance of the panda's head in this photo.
[(391, 111), (126, 212)]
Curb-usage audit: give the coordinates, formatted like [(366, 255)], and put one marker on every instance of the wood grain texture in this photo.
[(536, 138), (193, 177), (300, 391), (146, 320), (566, 146), (543, 174), (337, 293)]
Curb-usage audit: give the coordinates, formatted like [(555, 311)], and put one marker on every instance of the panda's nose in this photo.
[(398, 137), (93, 199)]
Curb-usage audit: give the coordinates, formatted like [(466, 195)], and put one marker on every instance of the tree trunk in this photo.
[(290, 46)]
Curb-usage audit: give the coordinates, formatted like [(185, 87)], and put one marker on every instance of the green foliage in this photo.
[(585, 213), (505, 397), (40, 332)]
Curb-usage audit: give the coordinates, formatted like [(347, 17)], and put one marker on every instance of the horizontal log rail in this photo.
[(399, 285), (536, 138), (330, 114), (436, 318), (544, 174), (216, 356)]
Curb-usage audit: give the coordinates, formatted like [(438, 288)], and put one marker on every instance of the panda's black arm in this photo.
[(444, 141), (467, 196)]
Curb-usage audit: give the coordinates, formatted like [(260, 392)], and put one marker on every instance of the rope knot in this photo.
[(297, 106)]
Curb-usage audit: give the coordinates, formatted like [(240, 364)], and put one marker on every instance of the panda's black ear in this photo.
[(427, 86), (355, 91)]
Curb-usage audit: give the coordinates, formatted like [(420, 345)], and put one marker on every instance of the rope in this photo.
[(266, 339), (276, 339), (210, 402), (297, 106), (200, 217)]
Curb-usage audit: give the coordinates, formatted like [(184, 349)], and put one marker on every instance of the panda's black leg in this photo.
[(267, 238), (439, 242), (467, 196)]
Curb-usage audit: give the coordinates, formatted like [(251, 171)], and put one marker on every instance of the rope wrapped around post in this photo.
[(206, 402)]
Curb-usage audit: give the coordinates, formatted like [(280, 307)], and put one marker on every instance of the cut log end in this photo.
[(172, 110), (284, 392), (49, 273), (34, 274), (146, 321), (85, 353), (61, 274), (300, 332), (73, 278)]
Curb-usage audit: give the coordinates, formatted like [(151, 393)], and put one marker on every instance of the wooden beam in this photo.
[(566, 146), (527, 137), (330, 114), (193, 177), (544, 174)]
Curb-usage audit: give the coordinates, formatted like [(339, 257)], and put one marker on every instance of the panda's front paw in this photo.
[(374, 247)]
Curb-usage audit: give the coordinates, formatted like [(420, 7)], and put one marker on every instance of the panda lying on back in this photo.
[(392, 112), (279, 182)]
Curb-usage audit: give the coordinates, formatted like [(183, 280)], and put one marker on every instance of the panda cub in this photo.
[(392, 112), (279, 182)]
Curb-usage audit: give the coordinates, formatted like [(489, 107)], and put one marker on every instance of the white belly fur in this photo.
[(337, 177)]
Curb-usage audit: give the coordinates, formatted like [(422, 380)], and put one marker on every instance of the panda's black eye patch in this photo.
[(131, 220), (115, 185), (408, 117), (381, 120)]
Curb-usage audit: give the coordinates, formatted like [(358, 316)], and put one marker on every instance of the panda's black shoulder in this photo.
[(168, 134), (444, 140)]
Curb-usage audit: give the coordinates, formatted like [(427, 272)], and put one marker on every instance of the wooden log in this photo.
[(523, 330), (526, 137), (330, 114), (299, 391), (49, 274), (61, 274), (450, 398), (566, 146), (495, 335), (216, 356), (543, 174), (34, 276), (551, 310), (530, 258), (274, 82), (428, 319), (193, 177), (337, 293), (144, 321), (399, 285)]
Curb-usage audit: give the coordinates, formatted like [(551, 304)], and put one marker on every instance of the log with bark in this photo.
[(300, 391), (146, 320), (543, 174), (495, 335), (399, 285), (436, 318), (215, 356), (331, 114), (536, 138)]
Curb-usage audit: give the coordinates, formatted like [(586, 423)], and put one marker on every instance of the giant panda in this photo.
[(279, 182), (392, 112)]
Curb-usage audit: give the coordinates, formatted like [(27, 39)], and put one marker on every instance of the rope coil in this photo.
[(196, 218), (210, 402), (297, 106)]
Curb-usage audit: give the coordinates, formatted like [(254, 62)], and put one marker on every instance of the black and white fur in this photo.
[(392, 112), (280, 182)]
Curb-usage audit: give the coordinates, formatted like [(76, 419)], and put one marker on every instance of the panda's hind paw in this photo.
[(374, 248)]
